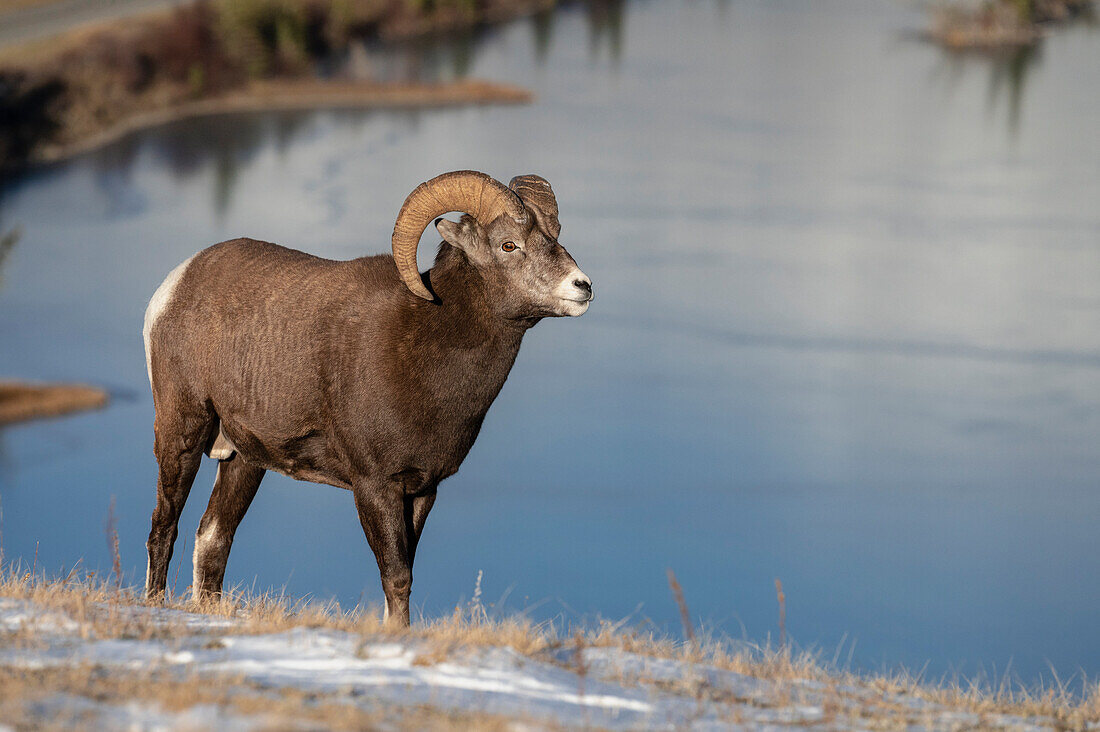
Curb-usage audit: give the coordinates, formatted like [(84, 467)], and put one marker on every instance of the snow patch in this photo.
[(16, 615), (609, 688)]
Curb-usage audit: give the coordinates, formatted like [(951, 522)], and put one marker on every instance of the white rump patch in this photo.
[(157, 304)]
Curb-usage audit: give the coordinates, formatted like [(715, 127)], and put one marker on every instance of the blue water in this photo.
[(847, 332)]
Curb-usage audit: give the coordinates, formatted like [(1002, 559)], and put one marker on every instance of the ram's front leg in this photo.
[(381, 506)]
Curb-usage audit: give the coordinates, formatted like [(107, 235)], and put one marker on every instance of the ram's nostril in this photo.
[(583, 284)]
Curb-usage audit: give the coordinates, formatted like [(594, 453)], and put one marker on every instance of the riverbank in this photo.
[(21, 401), (92, 84), (1000, 24), (278, 95), (82, 649)]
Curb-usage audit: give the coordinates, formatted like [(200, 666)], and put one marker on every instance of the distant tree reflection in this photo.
[(542, 27), (1007, 81), (1008, 78), (8, 240), (606, 20), (1011, 68)]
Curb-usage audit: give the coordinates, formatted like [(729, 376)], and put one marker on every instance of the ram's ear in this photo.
[(467, 235)]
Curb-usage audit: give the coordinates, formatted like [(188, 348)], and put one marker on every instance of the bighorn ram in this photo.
[(356, 374)]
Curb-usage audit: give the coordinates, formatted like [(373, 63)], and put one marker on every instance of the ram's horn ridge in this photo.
[(468, 191), (536, 193)]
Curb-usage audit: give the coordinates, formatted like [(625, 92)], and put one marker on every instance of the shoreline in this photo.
[(1000, 25), (298, 95), (23, 401)]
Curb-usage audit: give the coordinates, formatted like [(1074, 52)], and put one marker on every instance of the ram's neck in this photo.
[(464, 343)]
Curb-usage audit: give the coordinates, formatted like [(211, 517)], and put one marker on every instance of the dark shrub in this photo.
[(28, 115)]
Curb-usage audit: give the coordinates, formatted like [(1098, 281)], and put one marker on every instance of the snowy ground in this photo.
[(593, 687)]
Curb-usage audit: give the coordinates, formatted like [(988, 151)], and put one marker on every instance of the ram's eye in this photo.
[(508, 246)]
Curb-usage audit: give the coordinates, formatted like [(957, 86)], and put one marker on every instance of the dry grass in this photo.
[(25, 693), (101, 610)]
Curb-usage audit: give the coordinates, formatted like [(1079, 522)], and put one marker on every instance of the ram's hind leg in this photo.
[(234, 489), (181, 432)]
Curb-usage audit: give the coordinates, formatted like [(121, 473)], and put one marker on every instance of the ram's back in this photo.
[(259, 331)]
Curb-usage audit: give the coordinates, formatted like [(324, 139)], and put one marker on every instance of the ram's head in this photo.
[(509, 233)]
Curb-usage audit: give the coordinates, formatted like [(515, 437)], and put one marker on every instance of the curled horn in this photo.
[(467, 191), (535, 191)]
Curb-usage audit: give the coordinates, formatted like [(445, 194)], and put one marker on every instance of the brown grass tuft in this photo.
[(782, 598), (110, 528), (685, 614)]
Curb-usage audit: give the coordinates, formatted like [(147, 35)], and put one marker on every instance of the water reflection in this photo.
[(542, 30), (606, 21), (190, 148), (453, 55), (9, 237), (1008, 73), (8, 240), (1009, 70), (1008, 78)]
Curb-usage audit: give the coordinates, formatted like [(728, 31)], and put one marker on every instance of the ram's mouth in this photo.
[(572, 308)]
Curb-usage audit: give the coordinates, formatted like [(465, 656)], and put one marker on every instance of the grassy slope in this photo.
[(709, 681)]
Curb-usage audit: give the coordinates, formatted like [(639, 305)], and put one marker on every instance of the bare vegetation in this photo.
[(102, 611)]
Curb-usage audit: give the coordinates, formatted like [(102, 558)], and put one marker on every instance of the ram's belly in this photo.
[(303, 453)]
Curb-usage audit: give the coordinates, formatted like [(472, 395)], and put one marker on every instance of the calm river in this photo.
[(846, 334)]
